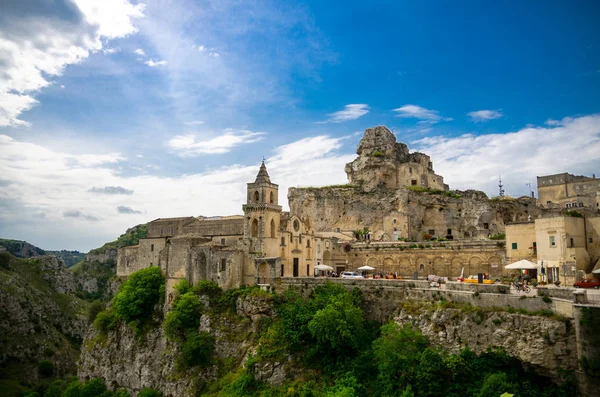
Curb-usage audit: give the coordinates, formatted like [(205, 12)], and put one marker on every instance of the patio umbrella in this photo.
[(323, 267), (366, 268), (522, 264)]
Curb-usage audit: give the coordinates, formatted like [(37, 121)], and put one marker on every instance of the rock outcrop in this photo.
[(546, 345), (39, 319)]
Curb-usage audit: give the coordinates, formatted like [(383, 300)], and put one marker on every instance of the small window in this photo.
[(413, 182), (256, 196), (300, 238), (283, 241), (572, 242), (307, 270), (552, 241), (590, 240), (486, 225), (281, 270), (581, 204), (568, 205), (394, 221), (151, 247), (432, 232), (410, 171), (271, 198), (421, 267), (223, 265), (222, 241), (291, 238), (307, 243), (514, 246), (548, 202), (449, 232)]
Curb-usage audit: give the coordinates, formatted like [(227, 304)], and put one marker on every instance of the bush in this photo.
[(147, 392), (498, 236), (377, 153), (105, 321), (95, 308), (46, 368), (184, 316), (546, 299), (198, 349), (210, 288), (138, 296)]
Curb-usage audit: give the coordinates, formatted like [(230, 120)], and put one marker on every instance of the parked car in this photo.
[(588, 283), (351, 275)]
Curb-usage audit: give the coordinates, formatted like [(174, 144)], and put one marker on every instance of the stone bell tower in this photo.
[(262, 214)]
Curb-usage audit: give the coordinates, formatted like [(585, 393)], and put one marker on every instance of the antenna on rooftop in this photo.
[(500, 186)]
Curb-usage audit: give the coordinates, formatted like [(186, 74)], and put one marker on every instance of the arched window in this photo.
[(255, 227), (256, 196), (421, 267), (271, 198), (272, 228)]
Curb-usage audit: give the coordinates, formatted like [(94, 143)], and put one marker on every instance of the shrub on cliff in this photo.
[(138, 296), (198, 349), (184, 316)]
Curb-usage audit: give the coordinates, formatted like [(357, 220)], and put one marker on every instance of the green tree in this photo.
[(198, 349), (93, 388), (138, 296), (397, 353), (147, 392), (496, 384), (184, 315)]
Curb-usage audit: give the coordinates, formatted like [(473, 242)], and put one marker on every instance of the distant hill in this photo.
[(22, 249), (69, 257)]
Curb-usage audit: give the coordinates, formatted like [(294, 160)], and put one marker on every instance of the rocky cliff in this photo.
[(544, 344), (121, 358), (466, 214), (39, 318)]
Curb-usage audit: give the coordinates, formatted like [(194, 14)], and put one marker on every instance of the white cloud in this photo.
[(484, 115), (425, 116), (187, 146), (350, 112), (39, 43), (194, 122), (140, 52), (470, 161), (153, 64), (112, 50), (57, 214)]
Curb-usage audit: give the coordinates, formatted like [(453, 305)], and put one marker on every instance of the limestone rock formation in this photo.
[(542, 343)]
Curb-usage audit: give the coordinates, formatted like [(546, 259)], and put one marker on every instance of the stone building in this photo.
[(566, 247), (395, 214), (569, 191)]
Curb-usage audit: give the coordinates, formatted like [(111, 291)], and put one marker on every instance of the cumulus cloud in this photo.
[(475, 161), (110, 190), (350, 112), (425, 116), (38, 40), (484, 115), (153, 64), (140, 52), (188, 146), (127, 210)]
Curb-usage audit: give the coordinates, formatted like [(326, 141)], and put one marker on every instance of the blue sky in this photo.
[(113, 113)]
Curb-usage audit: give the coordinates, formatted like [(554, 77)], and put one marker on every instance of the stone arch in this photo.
[(263, 275), (439, 266), (388, 266), (271, 198), (373, 262), (425, 265), (273, 232), (456, 266), (255, 227), (471, 232), (475, 265), (406, 268), (495, 264), (256, 196)]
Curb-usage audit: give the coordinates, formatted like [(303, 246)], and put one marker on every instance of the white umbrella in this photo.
[(366, 268), (596, 267), (522, 264), (323, 267)]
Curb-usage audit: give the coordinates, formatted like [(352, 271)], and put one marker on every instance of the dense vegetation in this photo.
[(136, 301), (131, 237), (72, 387)]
